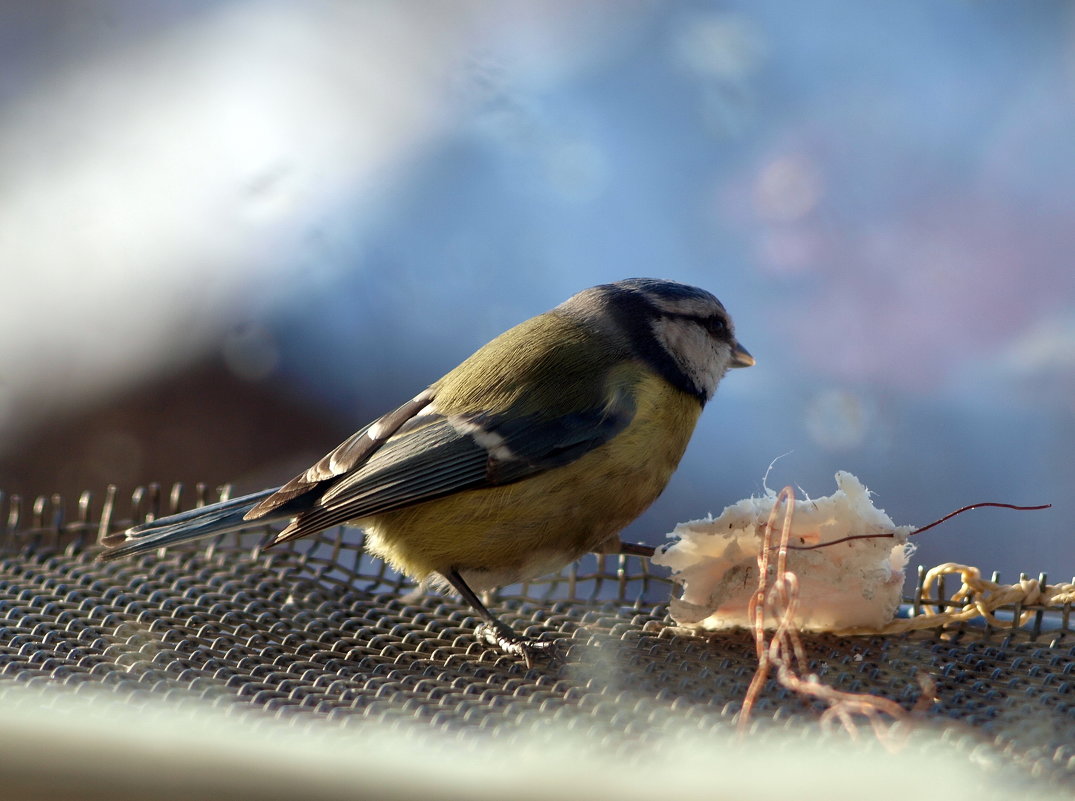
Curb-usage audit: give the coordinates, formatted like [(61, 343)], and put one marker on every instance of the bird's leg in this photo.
[(497, 633)]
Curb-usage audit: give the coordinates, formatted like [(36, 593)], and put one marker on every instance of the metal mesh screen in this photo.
[(321, 630)]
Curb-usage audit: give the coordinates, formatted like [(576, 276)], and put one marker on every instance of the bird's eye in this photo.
[(717, 326)]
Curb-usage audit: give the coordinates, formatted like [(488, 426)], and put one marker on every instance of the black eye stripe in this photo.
[(717, 326)]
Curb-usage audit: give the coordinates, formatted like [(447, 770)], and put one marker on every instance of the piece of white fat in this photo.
[(848, 585)]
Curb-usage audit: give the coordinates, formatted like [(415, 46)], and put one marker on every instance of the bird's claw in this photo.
[(510, 643)]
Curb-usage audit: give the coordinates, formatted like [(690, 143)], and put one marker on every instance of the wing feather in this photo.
[(434, 455), (347, 456)]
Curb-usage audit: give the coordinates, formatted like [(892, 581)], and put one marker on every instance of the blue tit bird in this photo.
[(537, 449)]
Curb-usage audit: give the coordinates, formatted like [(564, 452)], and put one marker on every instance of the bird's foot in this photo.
[(502, 637)]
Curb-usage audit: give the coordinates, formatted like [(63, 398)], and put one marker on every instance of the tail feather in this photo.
[(204, 521)]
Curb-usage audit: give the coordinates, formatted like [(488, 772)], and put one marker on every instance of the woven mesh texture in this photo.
[(321, 630)]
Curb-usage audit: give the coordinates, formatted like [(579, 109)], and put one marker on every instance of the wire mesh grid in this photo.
[(322, 630)]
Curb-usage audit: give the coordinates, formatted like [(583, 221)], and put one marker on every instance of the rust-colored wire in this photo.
[(776, 598)]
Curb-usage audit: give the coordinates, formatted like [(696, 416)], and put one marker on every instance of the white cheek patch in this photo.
[(701, 357), (489, 440)]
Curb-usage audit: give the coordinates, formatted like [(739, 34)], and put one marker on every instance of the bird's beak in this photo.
[(741, 356)]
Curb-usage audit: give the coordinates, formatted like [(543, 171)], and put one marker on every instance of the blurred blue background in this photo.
[(234, 231)]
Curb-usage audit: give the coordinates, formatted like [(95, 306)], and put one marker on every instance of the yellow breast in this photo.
[(505, 534)]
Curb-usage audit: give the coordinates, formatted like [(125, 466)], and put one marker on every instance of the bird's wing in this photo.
[(433, 455), (346, 456)]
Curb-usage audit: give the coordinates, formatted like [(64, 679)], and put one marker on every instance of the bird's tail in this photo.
[(205, 521)]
